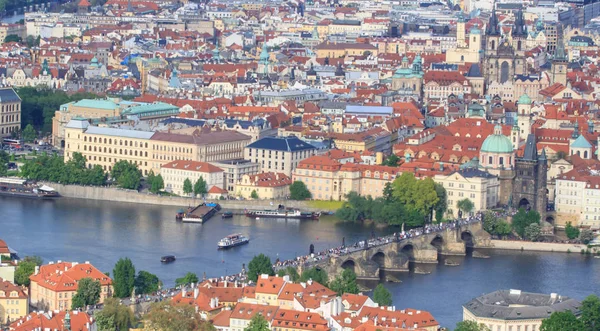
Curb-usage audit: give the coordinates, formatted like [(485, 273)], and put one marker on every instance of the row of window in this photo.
[(119, 142), (110, 151), (9, 118), (9, 129), (11, 108)]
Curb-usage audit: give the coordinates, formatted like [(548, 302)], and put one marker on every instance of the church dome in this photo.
[(497, 142), (525, 100)]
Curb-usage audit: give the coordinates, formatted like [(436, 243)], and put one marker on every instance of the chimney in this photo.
[(183, 292), (196, 292), (37, 269)]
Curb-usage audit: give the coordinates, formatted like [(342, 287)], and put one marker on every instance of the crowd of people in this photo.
[(376, 241)]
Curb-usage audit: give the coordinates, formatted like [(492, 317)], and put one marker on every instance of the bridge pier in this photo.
[(426, 253)]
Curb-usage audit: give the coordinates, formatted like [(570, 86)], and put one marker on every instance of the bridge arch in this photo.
[(379, 258), (409, 251), (467, 237), (349, 264), (438, 242)]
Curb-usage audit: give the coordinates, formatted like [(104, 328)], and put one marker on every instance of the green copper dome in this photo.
[(497, 143), (524, 100)]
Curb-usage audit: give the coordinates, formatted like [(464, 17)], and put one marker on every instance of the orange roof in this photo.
[(397, 318), (221, 320), (217, 190), (64, 276), (355, 301), (80, 321), (4, 247), (269, 284), (84, 3), (270, 179), (192, 166), (299, 320), (9, 288), (246, 311)]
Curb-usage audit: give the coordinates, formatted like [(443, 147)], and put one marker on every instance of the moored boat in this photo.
[(227, 214), (233, 240), (283, 213), (17, 187)]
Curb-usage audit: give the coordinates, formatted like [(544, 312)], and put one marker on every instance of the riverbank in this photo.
[(131, 196), (537, 246)]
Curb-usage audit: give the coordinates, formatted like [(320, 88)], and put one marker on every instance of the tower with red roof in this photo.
[(83, 7)]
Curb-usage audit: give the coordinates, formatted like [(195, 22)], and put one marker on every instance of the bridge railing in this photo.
[(315, 258)]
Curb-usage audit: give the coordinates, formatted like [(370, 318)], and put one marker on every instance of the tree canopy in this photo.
[(494, 225), (254, 195), (299, 191), (155, 183), (382, 296), (258, 323), (345, 283), (123, 278), (146, 282), (571, 231), (561, 321), (114, 316), (289, 271), (466, 205), (533, 232), (470, 326), (189, 278), (187, 186), (391, 161), (26, 268), (590, 313), (170, 316), (316, 274), (522, 219), (200, 186), (12, 38), (29, 133), (260, 264), (126, 174), (54, 169), (88, 293)]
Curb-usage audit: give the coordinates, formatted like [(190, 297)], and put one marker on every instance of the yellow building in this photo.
[(10, 112), (481, 187), (14, 301), (54, 285), (465, 51), (149, 150), (267, 185), (333, 50)]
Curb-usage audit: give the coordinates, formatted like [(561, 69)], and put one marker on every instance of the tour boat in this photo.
[(233, 240), (282, 213), (227, 214), (167, 258), (17, 187)]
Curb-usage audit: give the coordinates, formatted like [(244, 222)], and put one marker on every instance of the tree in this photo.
[(254, 195), (170, 316), (4, 159), (470, 326), (442, 204), (114, 316), (561, 321), (316, 274), (187, 186), (126, 174), (146, 283), (502, 229), (12, 38), (189, 278), (289, 271), (299, 191), (88, 293), (260, 264), (533, 232), (157, 184), (258, 323), (29, 133), (466, 205), (26, 268), (391, 161), (571, 231), (586, 235), (522, 219), (382, 296), (200, 187), (123, 278), (590, 313), (345, 283)]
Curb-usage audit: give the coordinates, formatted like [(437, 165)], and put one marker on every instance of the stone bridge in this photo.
[(396, 255)]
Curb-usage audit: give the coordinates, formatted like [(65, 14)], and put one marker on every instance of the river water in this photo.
[(102, 232)]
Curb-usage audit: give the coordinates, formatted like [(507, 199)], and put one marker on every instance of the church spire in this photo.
[(559, 52), (492, 27), (519, 29)]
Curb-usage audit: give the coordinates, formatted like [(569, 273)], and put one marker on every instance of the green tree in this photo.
[(316, 274), (123, 278), (114, 316), (533, 232), (146, 283), (4, 159), (254, 195), (12, 38), (522, 219), (26, 268), (157, 184), (29, 133), (442, 204), (260, 264), (466, 205), (388, 192), (258, 323), (289, 271), (189, 278), (586, 235), (590, 313), (382, 296), (502, 229), (470, 326), (88, 293), (571, 231), (561, 321), (187, 186), (345, 283), (391, 161), (200, 187), (170, 316), (299, 191), (126, 174)]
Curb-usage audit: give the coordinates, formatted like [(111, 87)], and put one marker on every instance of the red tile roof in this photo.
[(80, 321), (192, 166), (64, 276)]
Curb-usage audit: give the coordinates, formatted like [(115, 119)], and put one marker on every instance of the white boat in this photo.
[(233, 240)]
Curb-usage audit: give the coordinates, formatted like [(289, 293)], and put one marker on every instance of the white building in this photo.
[(578, 196), (176, 172)]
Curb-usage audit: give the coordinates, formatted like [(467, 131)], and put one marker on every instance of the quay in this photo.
[(202, 213)]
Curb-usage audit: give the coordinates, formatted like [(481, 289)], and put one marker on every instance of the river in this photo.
[(102, 232)]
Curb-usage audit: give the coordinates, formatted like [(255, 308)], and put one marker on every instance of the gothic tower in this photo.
[(560, 60), (530, 183)]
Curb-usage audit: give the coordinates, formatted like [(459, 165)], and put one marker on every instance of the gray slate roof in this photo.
[(8, 95)]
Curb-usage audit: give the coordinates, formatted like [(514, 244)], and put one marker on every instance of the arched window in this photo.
[(462, 58), (585, 154), (501, 160), (490, 160), (493, 45)]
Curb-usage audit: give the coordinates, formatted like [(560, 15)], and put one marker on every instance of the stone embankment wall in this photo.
[(131, 196), (537, 246)]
